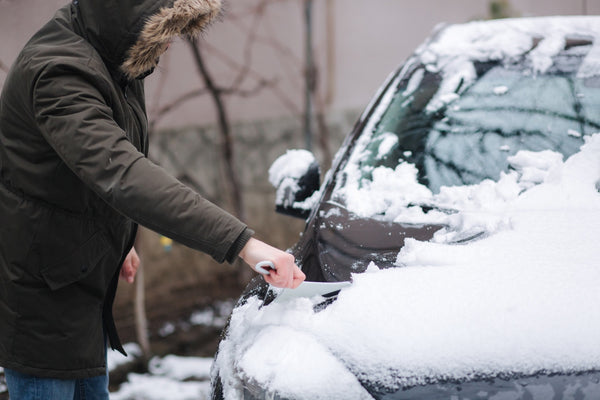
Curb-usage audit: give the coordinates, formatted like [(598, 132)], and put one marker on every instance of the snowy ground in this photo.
[(170, 377)]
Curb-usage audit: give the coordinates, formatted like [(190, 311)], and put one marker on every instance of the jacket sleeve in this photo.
[(75, 119)]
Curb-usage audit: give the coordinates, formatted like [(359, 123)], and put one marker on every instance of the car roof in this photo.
[(538, 38), (454, 49)]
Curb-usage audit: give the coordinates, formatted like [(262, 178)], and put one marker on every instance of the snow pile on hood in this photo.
[(522, 300), (458, 46), (271, 348)]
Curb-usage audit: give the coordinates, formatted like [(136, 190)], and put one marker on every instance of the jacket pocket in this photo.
[(78, 264)]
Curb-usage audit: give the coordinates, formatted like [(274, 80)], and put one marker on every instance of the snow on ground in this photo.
[(522, 299), (114, 359), (171, 377), (150, 387), (215, 316)]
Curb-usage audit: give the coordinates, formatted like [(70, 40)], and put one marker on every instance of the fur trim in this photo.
[(184, 18)]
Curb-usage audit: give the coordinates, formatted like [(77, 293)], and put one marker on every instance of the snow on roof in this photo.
[(522, 300), (511, 38), (456, 47)]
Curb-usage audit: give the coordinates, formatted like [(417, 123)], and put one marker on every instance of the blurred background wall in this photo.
[(357, 43), (255, 61)]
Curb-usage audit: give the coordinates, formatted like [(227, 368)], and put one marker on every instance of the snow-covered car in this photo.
[(465, 209)]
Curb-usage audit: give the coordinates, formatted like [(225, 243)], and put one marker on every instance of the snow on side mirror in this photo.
[(296, 176)]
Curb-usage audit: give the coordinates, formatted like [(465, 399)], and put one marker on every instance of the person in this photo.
[(75, 182)]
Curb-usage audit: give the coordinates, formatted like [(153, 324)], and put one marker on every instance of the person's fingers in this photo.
[(278, 278), (271, 280), (126, 270), (131, 272), (135, 261), (288, 266), (286, 275), (130, 266), (298, 278), (275, 277), (291, 276)]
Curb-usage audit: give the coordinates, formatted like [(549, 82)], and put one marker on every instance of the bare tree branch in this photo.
[(269, 39), (290, 62), (224, 127), (281, 96), (250, 38), (249, 92), (250, 10)]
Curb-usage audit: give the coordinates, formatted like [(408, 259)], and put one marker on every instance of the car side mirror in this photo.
[(296, 175)]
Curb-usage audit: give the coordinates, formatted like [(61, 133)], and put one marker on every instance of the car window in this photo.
[(465, 136)]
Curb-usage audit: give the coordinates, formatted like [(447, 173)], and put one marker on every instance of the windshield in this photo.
[(466, 135)]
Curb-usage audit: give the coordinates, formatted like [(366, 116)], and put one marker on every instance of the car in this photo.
[(464, 208)]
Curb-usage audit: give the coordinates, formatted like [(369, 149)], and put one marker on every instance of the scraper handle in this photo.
[(264, 267)]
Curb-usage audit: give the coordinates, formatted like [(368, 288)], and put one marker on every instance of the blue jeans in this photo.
[(28, 387)]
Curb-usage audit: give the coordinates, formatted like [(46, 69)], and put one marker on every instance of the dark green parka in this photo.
[(75, 180)]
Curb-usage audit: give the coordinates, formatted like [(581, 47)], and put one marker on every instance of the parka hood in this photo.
[(131, 35)]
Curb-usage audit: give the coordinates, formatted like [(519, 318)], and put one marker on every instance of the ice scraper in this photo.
[(305, 289)]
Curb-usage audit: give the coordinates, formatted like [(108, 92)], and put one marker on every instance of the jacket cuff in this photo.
[(238, 245)]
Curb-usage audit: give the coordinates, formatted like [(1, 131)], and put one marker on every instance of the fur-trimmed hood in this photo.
[(131, 35)]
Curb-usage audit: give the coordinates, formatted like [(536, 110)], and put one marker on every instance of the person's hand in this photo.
[(286, 273), (130, 266)]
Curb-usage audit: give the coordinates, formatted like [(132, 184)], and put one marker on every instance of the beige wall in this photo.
[(369, 38)]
